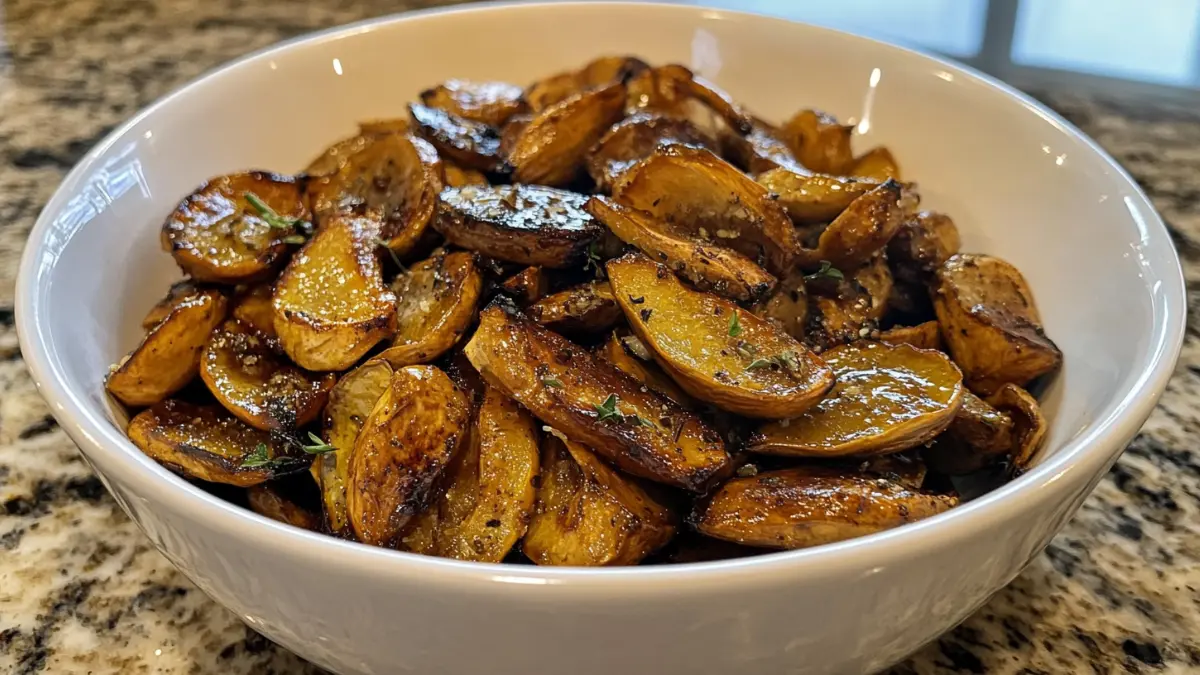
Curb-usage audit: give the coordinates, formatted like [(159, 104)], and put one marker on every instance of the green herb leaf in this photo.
[(593, 261), (735, 326), (318, 447), (270, 217), (643, 421), (552, 382), (608, 410), (826, 271), (258, 458), (759, 363), (745, 349)]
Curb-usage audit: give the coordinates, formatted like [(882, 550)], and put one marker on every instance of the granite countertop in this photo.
[(81, 590)]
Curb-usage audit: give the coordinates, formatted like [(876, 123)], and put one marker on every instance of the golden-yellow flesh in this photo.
[(990, 323), (267, 501), (180, 292), (800, 507), (331, 305), (814, 197), (329, 161), (587, 308), (350, 403), (398, 176), (169, 356), (706, 266), (489, 102), (922, 336), (877, 164), (602, 71), (406, 443), (436, 304), (384, 126), (569, 389), (635, 138), (862, 229), (457, 176), (887, 398), (470, 144), (257, 384), (527, 224), (253, 309), (487, 506), (701, 194), (616, 352), (216, 234), (715, 350), (203, 442), (819, 142), (552, 148), (589, 515)]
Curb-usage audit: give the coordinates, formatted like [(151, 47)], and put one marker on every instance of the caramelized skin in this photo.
[(802, 507), (567, 388), (217, 235), (491, 103), (552, 148), (253, 309), (470, 144), (527, 224), (411, 436), (887, 398), (527, 286), (862, 229), (635, 138), (180, 292), (587, 308), (257, 384), (437, 303), (268, 501)]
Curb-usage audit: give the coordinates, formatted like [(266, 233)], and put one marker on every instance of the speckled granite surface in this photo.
[(82, 591)]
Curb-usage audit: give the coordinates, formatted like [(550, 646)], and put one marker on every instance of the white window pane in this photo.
[(1153, 40), (951, 26)]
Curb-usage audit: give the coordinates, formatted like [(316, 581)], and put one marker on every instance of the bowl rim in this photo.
[(1096, 447)]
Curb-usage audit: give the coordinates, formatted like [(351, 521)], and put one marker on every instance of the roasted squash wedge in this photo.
[(589, 515), (699, 193), (324, 330), (411, 436), (887, 398), (802, 507), (437, 299), (169, 356), (232, 229), (991, 323), (715, 350), (588, 399)]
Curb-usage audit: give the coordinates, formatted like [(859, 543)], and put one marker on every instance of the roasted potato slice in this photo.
[(712, 348), (635, 138), (787, 307), (589, 515), (469, 144), (169, 356), (511, 132), (706, 266), (270, 502), (398, 175), (862, 230), (877, 164), (839, 319), (526, 224), (887, 398), (180, 292), (488, 504), (329, 161), (588, 399), (819, 142), (489, 102), (616, 352), (760, 150), (586, 308), (1029, 426), (552, 148), (255, 383), (922, 244), (979, 435), (699, 193), (253, 309), (991, 324), (527, 286), (668, 89), (350, 403), (206, 443), (603, 71), (457, 176), (814, 197), (411, 436), (468, 380), (437, 302), (324, 328), (922, 336), (801, 507), (232, 229)]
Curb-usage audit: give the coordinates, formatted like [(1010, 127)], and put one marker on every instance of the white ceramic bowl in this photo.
[(1020, 182)]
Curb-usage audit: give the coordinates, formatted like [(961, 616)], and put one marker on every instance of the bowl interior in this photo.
[(1018, 183)]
